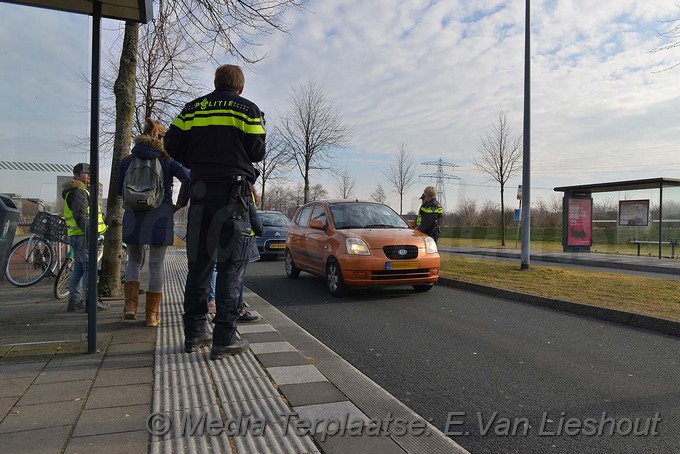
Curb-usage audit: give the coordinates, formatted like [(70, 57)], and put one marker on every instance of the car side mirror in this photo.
[(317, 224), (411, 224)]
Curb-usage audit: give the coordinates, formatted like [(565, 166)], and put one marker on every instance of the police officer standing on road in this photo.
[(430, 213), (217, 136)]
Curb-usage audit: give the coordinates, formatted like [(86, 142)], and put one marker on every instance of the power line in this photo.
[(440, 177)]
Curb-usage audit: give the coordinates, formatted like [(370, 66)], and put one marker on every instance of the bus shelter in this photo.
[(577, 210), (126, 10)]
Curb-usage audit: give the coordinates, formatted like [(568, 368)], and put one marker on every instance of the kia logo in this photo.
[(402, 252)]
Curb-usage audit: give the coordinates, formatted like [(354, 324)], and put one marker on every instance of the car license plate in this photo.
[(277, 245), (402, 265)]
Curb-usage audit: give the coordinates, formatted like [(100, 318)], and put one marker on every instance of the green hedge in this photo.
[(494, 233), (608, 235)]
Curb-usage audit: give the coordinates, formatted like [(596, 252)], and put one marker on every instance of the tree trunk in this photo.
[(124, 89), (262, 194), (306, 191), (502, 218)]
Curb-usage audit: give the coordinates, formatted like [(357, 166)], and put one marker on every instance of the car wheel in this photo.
[(334, 280), (292, 271), (420, 288)]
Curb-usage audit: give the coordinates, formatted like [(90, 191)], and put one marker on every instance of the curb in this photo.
[(659, 325)]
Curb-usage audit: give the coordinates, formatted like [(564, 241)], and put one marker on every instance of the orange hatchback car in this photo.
[(359, 244)]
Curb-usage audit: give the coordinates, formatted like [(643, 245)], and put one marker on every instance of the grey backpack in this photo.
[(143, 185)]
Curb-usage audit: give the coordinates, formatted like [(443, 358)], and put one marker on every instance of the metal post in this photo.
[(660, 217), (519, 223), (91, 277), (526, 161)]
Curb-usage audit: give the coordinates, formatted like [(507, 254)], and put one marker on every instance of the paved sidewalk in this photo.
[(55, 398)]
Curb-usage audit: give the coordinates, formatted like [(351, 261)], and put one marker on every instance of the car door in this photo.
[(317, 240), (297, 238)]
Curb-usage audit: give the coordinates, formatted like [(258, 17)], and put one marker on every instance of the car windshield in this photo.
[(273, 219), (365, 216)]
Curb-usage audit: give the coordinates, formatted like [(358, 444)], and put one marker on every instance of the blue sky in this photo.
[(429, 75)]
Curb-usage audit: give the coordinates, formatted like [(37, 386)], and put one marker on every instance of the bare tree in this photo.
[(401, 173), (312, 131), (109, 282), (229, 26), (162, 84), (379, 194), (466, 213), (317, 192), (500, 158), (346, 184), (273, 164)]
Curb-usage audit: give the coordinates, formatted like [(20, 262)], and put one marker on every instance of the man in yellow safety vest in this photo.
[(77, 214)]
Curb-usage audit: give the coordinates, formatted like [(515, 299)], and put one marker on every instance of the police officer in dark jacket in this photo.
[(429, 214), (217, 136)]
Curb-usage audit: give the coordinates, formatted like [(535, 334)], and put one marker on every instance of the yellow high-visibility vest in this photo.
[(73, 228)]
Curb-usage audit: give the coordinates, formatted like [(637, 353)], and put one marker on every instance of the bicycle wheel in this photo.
[(63, 278), (29, 261)]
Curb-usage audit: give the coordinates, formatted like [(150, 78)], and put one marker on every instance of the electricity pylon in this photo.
[(439, 177)]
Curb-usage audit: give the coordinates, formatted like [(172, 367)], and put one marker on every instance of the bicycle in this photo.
[(39, 255), (64, 275)]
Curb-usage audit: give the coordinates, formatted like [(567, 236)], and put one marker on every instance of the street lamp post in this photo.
[(526, 161)]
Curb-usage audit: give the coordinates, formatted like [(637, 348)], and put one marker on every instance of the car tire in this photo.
[(336, 286), (420, 288), (292, 271)]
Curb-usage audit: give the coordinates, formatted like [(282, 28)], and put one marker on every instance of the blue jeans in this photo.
[(213, 282), (253, 256), (78, 276)]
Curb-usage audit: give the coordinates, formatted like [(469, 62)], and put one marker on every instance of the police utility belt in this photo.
[(240, 194)]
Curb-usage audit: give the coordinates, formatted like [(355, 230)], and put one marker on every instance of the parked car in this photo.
[(273, 241), (359, 244)]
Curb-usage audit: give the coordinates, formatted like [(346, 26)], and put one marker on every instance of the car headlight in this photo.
[(357, 246), (430, 245)]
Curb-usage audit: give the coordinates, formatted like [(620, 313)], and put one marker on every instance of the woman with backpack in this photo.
[(146, 188)]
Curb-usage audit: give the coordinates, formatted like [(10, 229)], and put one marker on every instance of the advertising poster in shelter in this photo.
[(634, 212), (579, 219)]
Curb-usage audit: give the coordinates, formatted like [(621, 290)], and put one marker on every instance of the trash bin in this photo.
[(9, 217)]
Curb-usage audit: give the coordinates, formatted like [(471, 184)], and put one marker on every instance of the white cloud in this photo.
[(431, 75)]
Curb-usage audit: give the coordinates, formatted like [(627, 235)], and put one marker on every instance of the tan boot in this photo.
[(153, 304), (131, 289)]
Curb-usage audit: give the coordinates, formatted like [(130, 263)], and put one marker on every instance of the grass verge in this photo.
[(636, 294)]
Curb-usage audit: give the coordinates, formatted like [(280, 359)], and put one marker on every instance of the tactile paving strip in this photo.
[(236, 390)]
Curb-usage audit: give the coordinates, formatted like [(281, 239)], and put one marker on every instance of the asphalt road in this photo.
[(503, 368)]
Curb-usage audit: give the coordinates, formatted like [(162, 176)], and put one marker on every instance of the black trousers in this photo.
[(217, 232)]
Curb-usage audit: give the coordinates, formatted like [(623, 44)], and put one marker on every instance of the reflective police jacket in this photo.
[(218, 135), (429, 217)]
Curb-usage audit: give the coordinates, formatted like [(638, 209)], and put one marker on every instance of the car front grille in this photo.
[(389, 275), (407, 252)]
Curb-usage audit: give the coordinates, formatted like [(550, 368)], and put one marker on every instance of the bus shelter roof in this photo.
[(127, 10), (614, 186)]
